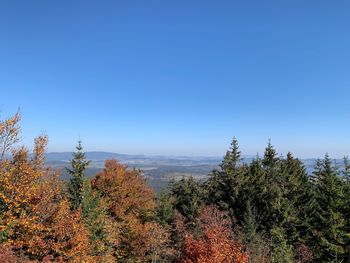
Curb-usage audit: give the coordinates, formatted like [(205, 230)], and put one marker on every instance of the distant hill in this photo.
[(158, 169), (126, 158)]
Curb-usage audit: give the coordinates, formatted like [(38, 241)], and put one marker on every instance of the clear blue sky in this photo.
[(179, 77)]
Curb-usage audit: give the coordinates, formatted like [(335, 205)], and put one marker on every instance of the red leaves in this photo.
[(216, 243)]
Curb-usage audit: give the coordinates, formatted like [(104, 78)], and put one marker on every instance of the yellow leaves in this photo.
[(35, 215), (36, 220), (9, 133), (39, 150)]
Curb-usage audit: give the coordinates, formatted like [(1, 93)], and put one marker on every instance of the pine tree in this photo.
[(165, 210), (346, 180), (232, 158), (281, 251), (225, 185), (253, 240), (77, 172), (270, 159), (329, 223), (299, 198), (346, 170), (271, 193), (188, 197), (93, 214)]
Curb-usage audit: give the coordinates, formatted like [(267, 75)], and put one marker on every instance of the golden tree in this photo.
[(130, 205), (9, 133), (35, 219)]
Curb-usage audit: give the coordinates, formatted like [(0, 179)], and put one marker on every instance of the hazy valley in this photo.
[(158, 169)]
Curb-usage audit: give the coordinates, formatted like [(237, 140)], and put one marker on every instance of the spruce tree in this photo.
[(346, 170), (271, 196), (164, 210), (299, 199), (346, 180), (225, 185), (253, 240), (77, 173), (189, 197), (330, 234), (232, 158), (94, 214), (270, 157)]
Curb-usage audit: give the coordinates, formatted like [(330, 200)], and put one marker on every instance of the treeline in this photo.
[(281, 213), (269, 210)]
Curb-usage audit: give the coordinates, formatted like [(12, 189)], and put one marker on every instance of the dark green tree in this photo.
[(232, 158), (299, 198), (272, 202), (270, 159), (94, 214), (165, 209), (254, 241), (346, 212), (346, 170), (329, 229), (280, 250), (77, 173), (189, 197), (225, 185)]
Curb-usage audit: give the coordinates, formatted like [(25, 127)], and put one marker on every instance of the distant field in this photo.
[(159, 170)]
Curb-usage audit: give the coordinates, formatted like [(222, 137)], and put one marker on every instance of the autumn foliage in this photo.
[(130, 204), (35, 218), (216, 242), (267, 211)]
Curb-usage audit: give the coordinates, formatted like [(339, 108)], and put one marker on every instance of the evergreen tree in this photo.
[(346, 212), (346, 170), (232, 158), (253, 240), (270, 159), (299, 199), (330, 237), (188, 197), (281, 251), (225, 185), (271, 196), (165, 210), (93, 214), (77, 172)]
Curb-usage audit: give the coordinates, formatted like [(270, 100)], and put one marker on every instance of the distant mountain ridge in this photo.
[(158, 169), (101, 155)]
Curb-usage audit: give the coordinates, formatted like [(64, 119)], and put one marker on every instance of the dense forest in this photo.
[(267, 210)]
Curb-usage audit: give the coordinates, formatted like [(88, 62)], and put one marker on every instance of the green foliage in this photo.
[(165, 211), (329, 227), (93, 214), (284, 214), (83, 198), (77, 172), (188, 197), (225, 185), (281, 251), (280, 214)]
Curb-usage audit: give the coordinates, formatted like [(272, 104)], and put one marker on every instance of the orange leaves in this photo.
[(9, 133), (35, 217), (130, 205), (39, 150), (67, 236), (125, 191), (216, 243)]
